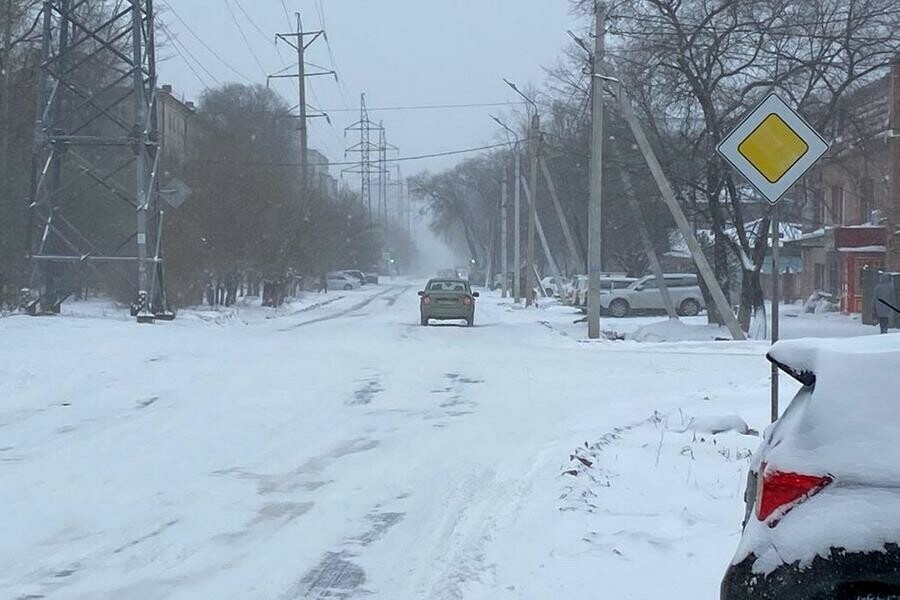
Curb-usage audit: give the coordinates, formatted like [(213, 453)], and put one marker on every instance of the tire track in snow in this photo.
[(345, 312)]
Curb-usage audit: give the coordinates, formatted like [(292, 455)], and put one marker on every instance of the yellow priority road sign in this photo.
[(773, 147)]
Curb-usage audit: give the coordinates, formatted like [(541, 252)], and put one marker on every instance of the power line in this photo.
[(431, 106), (205, 45), (244, 37), (175, 44), (356, 163)]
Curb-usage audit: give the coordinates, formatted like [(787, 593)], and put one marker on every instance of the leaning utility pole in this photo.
[(104, 137), (595, 208), (561, 215), (297, 40), (644, 233)]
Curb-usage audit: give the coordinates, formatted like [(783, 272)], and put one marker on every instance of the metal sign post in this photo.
[(773, 147)]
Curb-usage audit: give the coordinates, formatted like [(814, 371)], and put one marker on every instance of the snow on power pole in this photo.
[(595, 208)]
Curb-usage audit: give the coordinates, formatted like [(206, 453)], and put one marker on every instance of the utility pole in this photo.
[(297, 40), (7, 210), (364, 148), (534, 147), (644, 233), (504, 250), (561, 215), (517, 224), (687, 232), (548, 255), (595, 209)]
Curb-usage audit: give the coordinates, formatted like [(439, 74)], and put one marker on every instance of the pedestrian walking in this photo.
[(323, 283), (884, 292)]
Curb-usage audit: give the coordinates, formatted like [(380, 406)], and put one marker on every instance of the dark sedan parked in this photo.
[(447, 299)]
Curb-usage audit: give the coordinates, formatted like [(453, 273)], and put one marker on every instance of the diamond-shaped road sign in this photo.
[(176, 193), (773, 147)]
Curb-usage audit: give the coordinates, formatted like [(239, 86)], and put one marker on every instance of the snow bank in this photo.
[(716, 424), (674, 330)]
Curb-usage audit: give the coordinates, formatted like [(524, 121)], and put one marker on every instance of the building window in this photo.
[(866, 199), (837, 205)]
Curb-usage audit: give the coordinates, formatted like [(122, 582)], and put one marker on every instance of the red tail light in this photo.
[(780, 492), (467, 301), (426, 300)]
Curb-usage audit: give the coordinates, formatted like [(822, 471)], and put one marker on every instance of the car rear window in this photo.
[(447, 286)]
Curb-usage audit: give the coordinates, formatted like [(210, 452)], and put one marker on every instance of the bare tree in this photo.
[(696, 66)]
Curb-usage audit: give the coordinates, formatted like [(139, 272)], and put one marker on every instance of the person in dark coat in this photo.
[(884, 290)]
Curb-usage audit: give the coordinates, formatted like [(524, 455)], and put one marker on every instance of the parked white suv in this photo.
[(643, 296)]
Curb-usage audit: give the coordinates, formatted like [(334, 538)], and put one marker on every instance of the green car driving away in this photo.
[(447, 299)]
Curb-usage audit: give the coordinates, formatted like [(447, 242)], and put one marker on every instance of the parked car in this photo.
[(579, 292), (371, 277), (447, 299), (549, 284), (358, 275), (643, 296), (822, 503), (342, 281)]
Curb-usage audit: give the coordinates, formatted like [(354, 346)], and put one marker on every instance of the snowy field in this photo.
[(336, 449)]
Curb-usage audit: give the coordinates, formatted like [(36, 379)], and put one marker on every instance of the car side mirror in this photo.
[(421, 293), (475, 294), (639, 288)]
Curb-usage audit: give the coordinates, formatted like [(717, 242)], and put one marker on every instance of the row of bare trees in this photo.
[(693, 68), (247, 215)]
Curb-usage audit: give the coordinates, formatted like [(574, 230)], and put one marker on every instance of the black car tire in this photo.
[(348, 288), (690, 308), (619, 308)]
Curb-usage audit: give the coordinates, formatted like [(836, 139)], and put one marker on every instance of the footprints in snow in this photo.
[(455, 403)]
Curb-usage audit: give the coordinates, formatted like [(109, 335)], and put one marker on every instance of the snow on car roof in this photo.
[(852, 420)]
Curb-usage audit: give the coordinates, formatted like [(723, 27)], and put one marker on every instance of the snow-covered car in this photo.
[(342, 281), (643, 296), (823, 494), (358, 275)]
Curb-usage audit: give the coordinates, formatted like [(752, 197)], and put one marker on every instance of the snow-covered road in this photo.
[(344, 451)]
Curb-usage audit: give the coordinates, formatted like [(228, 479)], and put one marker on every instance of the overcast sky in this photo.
[(399, 52)]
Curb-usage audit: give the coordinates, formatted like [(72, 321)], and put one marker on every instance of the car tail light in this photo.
[(780, 492), (467, 301), (426, 300)]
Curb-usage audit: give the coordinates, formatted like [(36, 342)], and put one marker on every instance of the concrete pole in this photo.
[(776, 299), (644, 234), (534, 150), (668, 195), (517, 223), (554, 268), (504, 245), (595, 208), (564, 223)]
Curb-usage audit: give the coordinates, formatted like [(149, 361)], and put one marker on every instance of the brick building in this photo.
[(853, 216)]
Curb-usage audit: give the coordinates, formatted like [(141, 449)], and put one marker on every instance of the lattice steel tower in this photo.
[(364, 148), (95, 200)]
